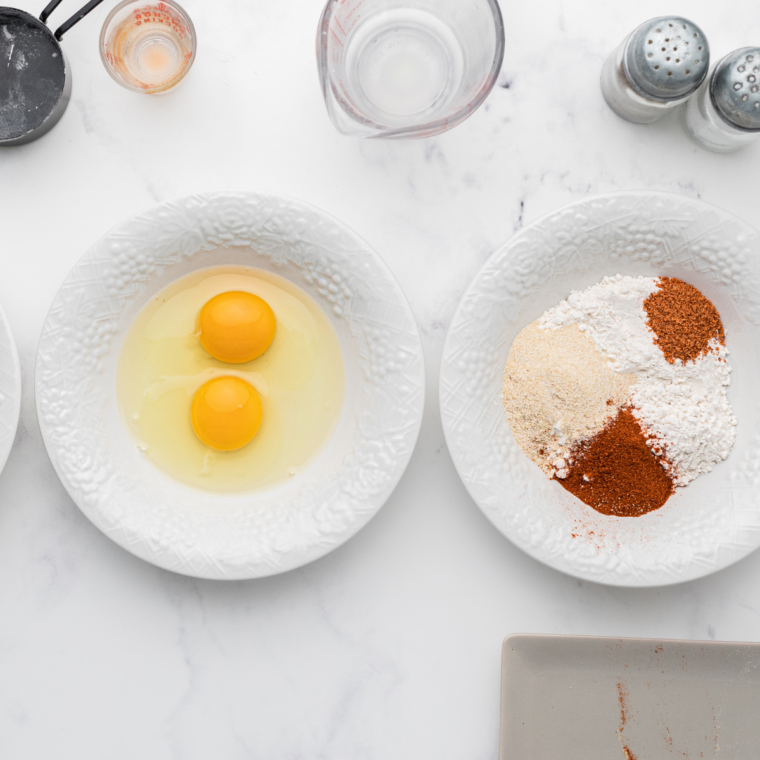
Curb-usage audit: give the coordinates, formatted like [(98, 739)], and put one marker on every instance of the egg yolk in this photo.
[(226, 413), (236, 327)]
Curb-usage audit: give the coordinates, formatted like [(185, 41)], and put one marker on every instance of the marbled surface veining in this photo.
[(390, 646)]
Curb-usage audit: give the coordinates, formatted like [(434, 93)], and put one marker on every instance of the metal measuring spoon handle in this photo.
[(75, 19)]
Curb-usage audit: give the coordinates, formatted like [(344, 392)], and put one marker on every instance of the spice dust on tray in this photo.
[(619, 392)]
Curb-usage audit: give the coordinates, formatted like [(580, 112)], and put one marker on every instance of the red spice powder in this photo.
[(623, 700), (682, 319), (616, 473)]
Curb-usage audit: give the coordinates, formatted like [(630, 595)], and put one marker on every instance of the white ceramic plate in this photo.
[(704, 527), (10, 389), (256, 533)]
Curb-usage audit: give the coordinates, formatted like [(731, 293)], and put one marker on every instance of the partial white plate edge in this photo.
[(11, 408)]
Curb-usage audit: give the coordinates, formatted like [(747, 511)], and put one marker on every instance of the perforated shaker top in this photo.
[(666, 58), (735, 88)]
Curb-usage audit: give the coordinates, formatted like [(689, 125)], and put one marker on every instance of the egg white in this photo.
[(300, 379)]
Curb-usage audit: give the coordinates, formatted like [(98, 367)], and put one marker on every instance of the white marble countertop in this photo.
[(390, 646)]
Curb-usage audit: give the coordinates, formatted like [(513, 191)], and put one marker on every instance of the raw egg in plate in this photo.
[(230, 379), (230, 384)]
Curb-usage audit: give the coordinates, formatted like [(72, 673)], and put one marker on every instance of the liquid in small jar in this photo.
[(151, 48)]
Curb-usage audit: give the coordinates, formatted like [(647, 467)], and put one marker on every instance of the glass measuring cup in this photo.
[(148, 47), (407, 69)]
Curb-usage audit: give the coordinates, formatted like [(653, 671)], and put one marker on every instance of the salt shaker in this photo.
[(724, 115), (655, 68)]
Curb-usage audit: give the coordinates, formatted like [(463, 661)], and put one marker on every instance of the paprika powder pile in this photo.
[(618, 472)]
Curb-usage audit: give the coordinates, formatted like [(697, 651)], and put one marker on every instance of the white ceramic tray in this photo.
[(251, 534), (704, 527), (594, 698)]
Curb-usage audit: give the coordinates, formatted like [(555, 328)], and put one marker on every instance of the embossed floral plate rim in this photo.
[(705, 527), (249, 534), (10, 389)]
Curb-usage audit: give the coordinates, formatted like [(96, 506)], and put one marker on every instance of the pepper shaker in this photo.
[(724, 115), (655, 68)]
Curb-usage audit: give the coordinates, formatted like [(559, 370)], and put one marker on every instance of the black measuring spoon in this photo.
[(35, 79)]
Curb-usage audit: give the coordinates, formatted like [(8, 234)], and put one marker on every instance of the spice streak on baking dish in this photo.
[(619, 392)]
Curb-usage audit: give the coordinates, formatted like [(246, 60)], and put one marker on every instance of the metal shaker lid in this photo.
[(666, 58), (735, 88)]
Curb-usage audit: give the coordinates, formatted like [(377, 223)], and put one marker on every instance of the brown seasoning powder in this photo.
[(682, 319)]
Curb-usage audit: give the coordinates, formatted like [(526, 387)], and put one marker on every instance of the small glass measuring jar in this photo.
[(413, 68), (148, 47)]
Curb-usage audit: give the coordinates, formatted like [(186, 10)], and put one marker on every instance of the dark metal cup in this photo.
[(35, 77)]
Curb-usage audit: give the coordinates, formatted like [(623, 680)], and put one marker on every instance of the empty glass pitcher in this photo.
[(407, 69)]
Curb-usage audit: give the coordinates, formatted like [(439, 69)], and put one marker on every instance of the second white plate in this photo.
[(707, 525)]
